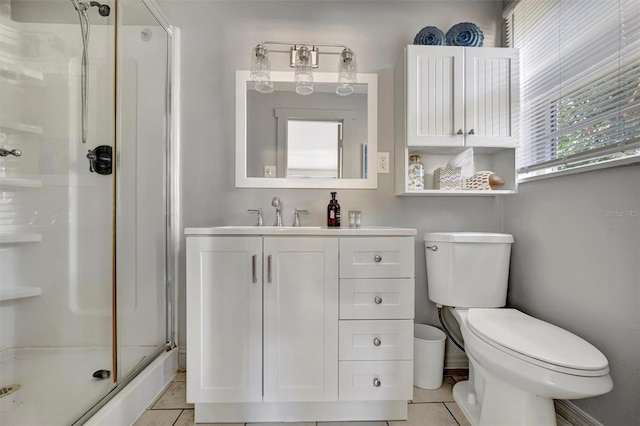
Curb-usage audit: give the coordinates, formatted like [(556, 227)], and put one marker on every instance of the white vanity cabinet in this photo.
[(450, 98), (254, 297), (301, 325)]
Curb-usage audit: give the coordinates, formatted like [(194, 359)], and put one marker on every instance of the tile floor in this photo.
[(428, 407)]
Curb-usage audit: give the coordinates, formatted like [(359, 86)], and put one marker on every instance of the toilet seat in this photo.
[(537, 342)]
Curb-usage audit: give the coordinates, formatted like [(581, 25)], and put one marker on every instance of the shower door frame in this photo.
[(172, 204)]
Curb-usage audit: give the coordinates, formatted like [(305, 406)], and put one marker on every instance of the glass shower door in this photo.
[(141, 229)]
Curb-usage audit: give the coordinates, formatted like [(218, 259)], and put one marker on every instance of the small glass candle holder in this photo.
[(352, 219), (355, 218)]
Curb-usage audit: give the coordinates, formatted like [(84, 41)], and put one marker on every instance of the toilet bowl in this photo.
[(517, 375), (517, 364)]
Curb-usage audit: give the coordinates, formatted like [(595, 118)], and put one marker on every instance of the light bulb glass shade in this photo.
[(261, 69), (344, 89), (347, 72), (347, 67), (303, 75)]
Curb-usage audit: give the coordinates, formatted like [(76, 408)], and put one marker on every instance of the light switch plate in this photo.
[(383, 162)]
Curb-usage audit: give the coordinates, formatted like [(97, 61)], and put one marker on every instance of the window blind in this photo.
[(580, 81)]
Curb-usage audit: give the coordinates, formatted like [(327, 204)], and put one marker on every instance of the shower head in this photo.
[(103, 9)]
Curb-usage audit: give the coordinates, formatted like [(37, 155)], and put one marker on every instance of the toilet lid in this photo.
[(535, 338)]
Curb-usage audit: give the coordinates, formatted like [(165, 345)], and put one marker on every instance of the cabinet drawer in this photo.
[(375, 340), (377, 298), (375, 380), (377, 257)]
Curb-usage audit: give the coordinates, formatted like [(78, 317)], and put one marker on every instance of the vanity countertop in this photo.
[(302, 230)]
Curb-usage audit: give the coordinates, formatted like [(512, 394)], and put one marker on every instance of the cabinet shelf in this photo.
[(16, 182), (19, 237), (13, 293), (458, 193)]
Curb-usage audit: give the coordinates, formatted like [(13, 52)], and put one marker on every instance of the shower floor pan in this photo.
[(56, 384)]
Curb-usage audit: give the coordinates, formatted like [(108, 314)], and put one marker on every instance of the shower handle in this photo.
[(14, 152)]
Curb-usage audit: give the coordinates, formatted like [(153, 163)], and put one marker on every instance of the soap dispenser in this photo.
[(333, 212)]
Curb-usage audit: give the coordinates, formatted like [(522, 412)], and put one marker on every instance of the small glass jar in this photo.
[(416, 173)]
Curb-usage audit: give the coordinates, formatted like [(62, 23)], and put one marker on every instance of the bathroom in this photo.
[(575, 263)]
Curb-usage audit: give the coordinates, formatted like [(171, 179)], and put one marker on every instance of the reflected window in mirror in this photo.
[(314, 148)]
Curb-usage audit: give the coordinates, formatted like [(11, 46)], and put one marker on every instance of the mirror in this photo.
[(322, 140)]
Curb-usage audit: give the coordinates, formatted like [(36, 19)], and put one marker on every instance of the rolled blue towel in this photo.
[(432, 36), (465, 34)]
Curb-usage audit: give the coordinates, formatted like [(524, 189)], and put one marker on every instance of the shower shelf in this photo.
[(12, 126), (19, 237), (13, 293), (18, 73), (15, 182)]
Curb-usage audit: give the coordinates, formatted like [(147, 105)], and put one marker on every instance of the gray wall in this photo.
[(217, 38), (576, 264)]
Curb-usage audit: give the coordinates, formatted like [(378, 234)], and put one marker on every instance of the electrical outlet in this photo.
[(270, 171), (383, 162)]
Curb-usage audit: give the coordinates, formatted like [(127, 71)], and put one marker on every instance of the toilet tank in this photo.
[(468, 269)]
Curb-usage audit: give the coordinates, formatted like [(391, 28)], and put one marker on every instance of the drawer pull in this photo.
[(377, 258), (269, 268), (378, 300), (376, 382), (376, 341)]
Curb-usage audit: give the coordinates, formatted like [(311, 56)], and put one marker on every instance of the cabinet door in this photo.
[(300, 319), (491, 96), (434, 88), (224, 319)]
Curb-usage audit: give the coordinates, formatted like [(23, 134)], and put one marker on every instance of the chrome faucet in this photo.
[(259, 211), (276, 203), (296, 216)]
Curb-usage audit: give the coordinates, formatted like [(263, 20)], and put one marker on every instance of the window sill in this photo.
[(582, 169)]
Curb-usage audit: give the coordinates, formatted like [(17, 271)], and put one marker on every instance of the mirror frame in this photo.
[(243, 181)]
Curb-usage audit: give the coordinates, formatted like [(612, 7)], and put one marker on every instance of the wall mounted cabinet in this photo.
[(451, 98)]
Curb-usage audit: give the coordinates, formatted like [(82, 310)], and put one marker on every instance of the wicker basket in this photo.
[(478, 182)]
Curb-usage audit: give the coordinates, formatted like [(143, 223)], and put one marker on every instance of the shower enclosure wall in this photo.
[(86, 258)]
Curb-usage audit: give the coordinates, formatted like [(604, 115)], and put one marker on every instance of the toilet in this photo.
[(517, 364)]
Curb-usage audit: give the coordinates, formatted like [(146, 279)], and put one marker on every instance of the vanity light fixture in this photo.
[(347, 72), (304, 57)]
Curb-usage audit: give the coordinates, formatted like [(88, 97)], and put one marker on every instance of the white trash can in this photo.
[(428, 356)]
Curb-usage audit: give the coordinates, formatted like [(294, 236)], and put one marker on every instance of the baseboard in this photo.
[(574, 415), (455, 360)]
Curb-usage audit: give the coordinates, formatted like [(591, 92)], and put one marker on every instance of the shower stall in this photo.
[(89, 221)]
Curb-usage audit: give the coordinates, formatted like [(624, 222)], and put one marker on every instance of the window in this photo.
[(580, 76)]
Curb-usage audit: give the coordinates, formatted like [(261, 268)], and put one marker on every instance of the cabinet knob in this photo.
[(378, 300), (471, 132), (376, 382), (377, 258), (376, 341), (459, 132)]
